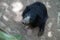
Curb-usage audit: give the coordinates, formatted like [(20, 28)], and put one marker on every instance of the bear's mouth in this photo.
[(26, 20)]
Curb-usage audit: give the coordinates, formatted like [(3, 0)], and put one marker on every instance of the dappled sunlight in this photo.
[(12, 11), (18, 17), (5, 18), (47, 5), (50, 34), (50, 25), (11, 19), (17, 6)]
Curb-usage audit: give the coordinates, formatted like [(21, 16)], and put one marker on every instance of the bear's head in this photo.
[(29, 18)]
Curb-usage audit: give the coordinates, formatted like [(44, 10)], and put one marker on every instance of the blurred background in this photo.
[(10, 19)]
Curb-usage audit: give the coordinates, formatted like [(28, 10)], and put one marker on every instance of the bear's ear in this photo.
[(26, 10)]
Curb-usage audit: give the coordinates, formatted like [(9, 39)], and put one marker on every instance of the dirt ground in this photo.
[(10, 19)]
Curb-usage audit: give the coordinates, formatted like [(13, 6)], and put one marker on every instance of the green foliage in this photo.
[(4, 36)]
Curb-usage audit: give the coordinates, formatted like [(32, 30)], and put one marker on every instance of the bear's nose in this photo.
[(23, 21)]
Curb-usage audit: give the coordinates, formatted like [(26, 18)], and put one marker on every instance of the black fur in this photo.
[(38, 14)]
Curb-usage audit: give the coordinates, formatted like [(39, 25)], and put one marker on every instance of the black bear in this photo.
[(35, 15)]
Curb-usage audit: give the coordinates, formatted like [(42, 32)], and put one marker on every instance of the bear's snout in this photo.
[(26, 20)]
